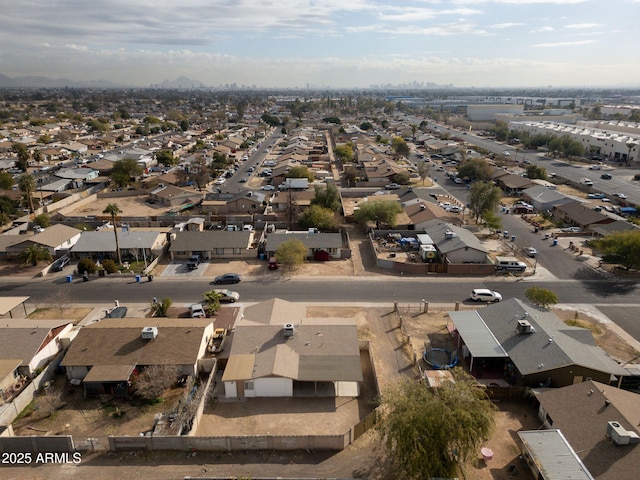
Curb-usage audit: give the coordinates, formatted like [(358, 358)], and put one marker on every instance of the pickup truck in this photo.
[(216, 344)]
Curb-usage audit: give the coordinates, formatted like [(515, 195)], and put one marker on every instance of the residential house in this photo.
[(530, 346), (107, 355), (544, 199), (579, 215), (584, 412), (422, 213), (134, 244), (320, 246), (57, 239), (26, 346), (247, 203), (172, 196), (283, 201), (276, 351), (212, 244), (513, 184), (78, 177), (602, 230), (455, 244)]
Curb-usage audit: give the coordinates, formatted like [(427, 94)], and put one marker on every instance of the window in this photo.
[(237, 251), (219, 251), (248, 385)]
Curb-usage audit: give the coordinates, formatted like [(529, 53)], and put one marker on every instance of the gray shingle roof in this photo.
[(437, 229), (208, 240), (310, 240)]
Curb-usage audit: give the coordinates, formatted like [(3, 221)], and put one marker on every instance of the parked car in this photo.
[(268, 188), (197, 311), (227, 295), (227, 278), (620, 195), (571, 230), (392, 186), (244, 180), (531, 252), (485, 295), (194, 262), (605, 176), (595, 195), (59, 264)]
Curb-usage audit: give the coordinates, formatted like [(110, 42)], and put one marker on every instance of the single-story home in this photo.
[(455, 244), (212, 244), (25, 346), (105, 355), (600, 423), (320, 246), (134, 244), (58, 239), (278, 352), (579, 215), (530, 346), (543, 198)]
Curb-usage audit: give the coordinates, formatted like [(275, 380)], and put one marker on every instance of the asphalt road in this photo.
[(378, 289)]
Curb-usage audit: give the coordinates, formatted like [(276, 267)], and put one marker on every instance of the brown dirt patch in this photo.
[(72, 313), (61, 410), (131, 206)]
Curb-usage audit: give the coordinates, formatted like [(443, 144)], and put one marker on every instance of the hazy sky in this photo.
[(337, 43)]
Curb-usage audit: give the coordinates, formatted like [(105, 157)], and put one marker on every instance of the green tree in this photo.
[(33, 254), (621, 247), (27, 185), (113, 210), (161, 308), (327, 196), (319, 217), (211, 302), (430, 432), (37, 156), (400, 147), (483, 197), (43, 220), (350, 176), (165, 157), (402, 178), (492, 221), (344, 152), (366, 126), (475, 169), (291, 253), (541, 296), (22, 152), (6, 180), (124, 170), (534, 171), (86, 265), (300, 171), (380, 212)]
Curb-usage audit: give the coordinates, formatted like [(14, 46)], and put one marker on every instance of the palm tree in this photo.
[(27, 185), (34, 254), (630, 146), (113, 210)]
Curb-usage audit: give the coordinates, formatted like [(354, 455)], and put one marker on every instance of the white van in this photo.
[(510, 264), (197, 311)]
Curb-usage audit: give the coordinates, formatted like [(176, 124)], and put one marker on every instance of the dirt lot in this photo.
[(130, 206)]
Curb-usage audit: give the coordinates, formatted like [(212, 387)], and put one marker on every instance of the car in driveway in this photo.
[(194, 262), (392, 186), (485, 295), (59, 264), (531, 252), (227, 278), (571, 230), (268, 188), (228, 296)]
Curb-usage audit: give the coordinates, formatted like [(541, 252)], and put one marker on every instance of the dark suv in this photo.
[(59, 264), (194, 262)]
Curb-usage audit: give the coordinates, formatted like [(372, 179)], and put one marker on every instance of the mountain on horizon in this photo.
[(32, 81)]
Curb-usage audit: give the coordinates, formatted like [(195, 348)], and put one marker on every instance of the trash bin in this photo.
[(513, 238), (69, 278), (150, 278), (85, 278), (505, 234), (555, 242), (137, 278)]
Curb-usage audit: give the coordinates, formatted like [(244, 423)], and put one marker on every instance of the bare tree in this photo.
[(60, 300), (154, 380)]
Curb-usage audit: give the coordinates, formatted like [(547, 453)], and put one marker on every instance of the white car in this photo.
[(507, 154), (532, 252), (620, 195), (220, 181), (268, 188), (485, 295), (572, 230), (392, 186)]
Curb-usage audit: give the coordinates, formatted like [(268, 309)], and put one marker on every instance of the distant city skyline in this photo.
[(326, 43)]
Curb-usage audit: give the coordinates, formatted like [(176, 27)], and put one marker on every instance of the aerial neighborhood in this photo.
[(201, 271)]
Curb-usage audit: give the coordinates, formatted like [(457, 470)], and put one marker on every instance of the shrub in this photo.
[(109, 266), (86, 265)]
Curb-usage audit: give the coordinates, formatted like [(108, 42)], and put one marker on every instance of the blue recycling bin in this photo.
[(137, 278), (555, 242), (69, 278)]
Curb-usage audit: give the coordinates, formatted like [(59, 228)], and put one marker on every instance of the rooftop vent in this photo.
[(149, 333), (524, 327), (287, 330)]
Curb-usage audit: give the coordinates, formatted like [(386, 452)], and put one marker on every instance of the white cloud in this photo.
[(499, 26), (580, 26), (542, 30), (564, 44)]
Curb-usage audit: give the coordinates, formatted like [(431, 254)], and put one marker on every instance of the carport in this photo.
[(8, 304), (474, 338)]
